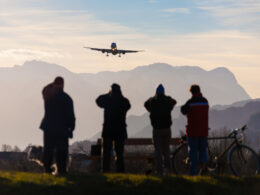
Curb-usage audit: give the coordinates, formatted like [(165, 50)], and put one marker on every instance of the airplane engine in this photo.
[(123, 52), (103, 51)]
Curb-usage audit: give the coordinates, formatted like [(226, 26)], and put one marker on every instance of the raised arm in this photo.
[(185, 108), (173, 102), (102, 100), (127, 105), (148, 105)]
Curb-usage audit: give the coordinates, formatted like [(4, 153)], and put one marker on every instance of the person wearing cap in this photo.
[(58, 124), (160, 107), (115, 107), (196, 109)]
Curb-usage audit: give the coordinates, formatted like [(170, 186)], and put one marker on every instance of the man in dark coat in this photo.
[(160, 107), (58, 124), (114, 128), (196, 109)]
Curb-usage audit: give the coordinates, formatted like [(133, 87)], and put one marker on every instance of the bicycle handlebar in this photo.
[(244, 128), (234, 131)]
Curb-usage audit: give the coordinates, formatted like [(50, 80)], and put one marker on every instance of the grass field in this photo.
[(34, 183)]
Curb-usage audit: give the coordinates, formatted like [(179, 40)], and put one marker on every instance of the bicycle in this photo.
[(242, 160)]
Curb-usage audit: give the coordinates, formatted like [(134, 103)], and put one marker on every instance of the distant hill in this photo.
[(254, 130), (236, 104), (82, 147), (232, 117), (22, 106), (219, 85)]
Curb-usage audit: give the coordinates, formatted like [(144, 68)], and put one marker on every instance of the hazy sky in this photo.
[(206, 33)]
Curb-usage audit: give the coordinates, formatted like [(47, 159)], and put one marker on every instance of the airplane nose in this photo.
[(113, 45)]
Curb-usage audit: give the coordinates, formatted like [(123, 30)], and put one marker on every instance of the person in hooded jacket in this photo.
[(196, 109), (115, 107), (160, 107), (57, 124)]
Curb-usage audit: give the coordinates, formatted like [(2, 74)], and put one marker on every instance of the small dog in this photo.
[(35, 154)]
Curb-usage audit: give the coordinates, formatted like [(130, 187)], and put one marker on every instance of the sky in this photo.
[(205, 33)]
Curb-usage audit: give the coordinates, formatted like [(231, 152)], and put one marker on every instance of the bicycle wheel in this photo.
[(243, 161), (181, 161)]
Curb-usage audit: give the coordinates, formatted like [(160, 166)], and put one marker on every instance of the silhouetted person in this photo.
[(114, 128), (58, 124), (160, 107), (196, 110)]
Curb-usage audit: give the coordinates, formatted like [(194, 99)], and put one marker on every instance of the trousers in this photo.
[(197, 152), (161, 140), (107, 152), (58, 145)]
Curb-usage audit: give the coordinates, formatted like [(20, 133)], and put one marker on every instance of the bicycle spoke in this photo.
[(244, 161), (180, 160)]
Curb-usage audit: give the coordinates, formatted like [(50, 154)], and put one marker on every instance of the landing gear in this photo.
[(107, 55), (119, 55)]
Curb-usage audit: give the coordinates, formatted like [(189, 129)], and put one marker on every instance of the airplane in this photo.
[(113, 50)]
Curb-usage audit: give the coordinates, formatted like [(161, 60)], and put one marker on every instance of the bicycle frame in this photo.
[(232, 135), (235, 142), (215, 161)]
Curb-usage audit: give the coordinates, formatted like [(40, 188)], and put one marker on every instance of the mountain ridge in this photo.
[(22, 105), (231, 117)]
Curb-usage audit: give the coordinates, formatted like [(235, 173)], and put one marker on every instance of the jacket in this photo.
[(160, 107), (115, 109), (59, 118), (196, 109)]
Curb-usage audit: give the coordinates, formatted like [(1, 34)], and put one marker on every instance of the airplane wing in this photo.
[(120, 51), (99, 49)]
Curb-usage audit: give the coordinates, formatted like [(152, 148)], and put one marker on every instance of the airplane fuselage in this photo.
[(114, 48)]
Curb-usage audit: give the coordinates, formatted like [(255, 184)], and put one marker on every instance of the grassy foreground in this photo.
[(34, 183)]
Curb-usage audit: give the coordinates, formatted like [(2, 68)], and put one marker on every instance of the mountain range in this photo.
[(231, 117), (22, 105), (228, 118)]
